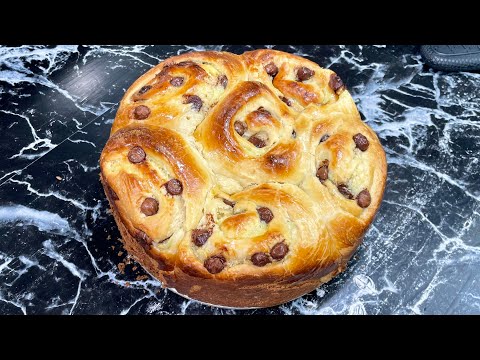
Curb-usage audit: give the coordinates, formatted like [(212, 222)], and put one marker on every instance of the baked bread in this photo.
[(242, 180)]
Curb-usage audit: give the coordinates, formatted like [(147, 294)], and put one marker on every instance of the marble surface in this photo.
[(59, 252)]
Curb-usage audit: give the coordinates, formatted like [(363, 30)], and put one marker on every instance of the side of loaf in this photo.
[(242, 180)]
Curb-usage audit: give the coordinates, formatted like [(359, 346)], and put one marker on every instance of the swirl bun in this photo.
[(242, 180)]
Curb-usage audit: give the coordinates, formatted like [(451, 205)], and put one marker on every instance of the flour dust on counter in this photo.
[(59, 248)]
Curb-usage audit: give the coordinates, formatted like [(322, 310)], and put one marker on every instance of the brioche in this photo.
[(242, 180)]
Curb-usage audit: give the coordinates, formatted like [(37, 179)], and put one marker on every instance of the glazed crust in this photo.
[(241, 138)]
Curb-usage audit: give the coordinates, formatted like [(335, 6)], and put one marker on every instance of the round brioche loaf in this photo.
[(242, 180)]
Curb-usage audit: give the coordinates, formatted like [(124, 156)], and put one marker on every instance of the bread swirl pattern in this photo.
[(242, 180)]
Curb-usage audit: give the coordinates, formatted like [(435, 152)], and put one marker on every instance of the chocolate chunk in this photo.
[(294, 134), (174, 187), (214, 264), (324, 138), (322, 173), (364, 199), (286, 101), (136, 155), (223, 80), (343, 189), (336, 83), (141, 112), (144, 89), (143, 239), (260, 259), (279, 251), (361, 142), (194, 100), (263, 112), (257, 141), (229, 203), (200, 236), (271, 69), (265, 214), (304, 73), (240, 127), (177, 81), (149, 206)]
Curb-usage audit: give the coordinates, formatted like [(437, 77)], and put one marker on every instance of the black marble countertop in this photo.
[(59, 252)]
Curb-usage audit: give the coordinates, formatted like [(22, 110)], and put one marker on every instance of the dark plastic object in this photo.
[(452, 57)]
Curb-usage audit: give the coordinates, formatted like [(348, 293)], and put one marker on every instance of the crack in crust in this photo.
[(271, 206)]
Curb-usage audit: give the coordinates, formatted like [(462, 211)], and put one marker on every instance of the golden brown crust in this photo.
[(227, 150)]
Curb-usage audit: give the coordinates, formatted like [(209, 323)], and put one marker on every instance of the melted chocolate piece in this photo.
[(177, 81), (265, 214), (361, 142), (196, 102), (174, 187), (279, 251), (141, 112), (214, 264), (260, 259), (304, 73), (364, 199), (271, 69), (149, 206), (136, 155)]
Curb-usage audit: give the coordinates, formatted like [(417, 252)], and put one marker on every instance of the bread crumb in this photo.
[(127, 284), (135, 268), (121, 268), (109, 237), (120, 253), (141, 277)]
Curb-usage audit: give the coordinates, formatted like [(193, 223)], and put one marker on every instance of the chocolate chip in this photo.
[(141, 112), (177, 81), (149, 206), (294, 134), (143, 239), (286, 101), (324, 138), (361, 142), (343, 189), (271, 69), (223, 80), (279, 251), (240, 127), (364, 199), (229, 203), (214, 264), (265, 214), (322, 173), (260, 259), (144, 89), (263, 112), (136, 155), (257, 141), (362, 116), (336, 83), (200, 236), (304, 73), (174, 187), (194, 100)]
